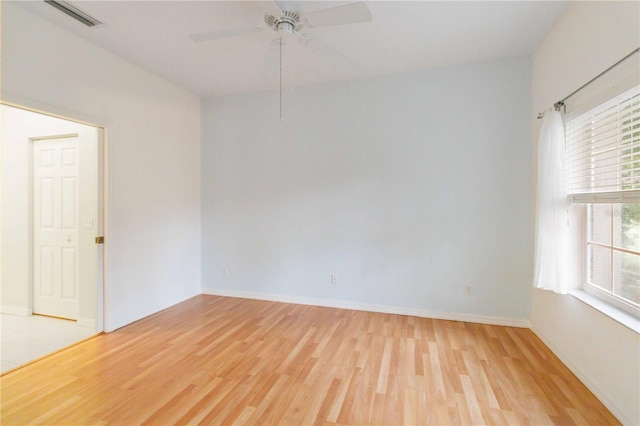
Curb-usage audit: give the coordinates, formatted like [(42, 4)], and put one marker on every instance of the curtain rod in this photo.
[(559, 104)]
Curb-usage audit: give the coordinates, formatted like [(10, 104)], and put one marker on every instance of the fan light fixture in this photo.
[(285, 27)]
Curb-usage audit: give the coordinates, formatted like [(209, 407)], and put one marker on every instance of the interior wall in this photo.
[(153, 153), (407, 187), (18, 126), (590, 37)]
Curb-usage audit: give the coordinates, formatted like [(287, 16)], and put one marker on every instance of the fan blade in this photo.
[(340, 15), (332, 58), (303, 38), (272, 8), (229, 32), (298, 5)]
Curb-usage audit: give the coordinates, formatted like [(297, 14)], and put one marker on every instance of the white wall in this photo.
[(408, 187), (153, 142), (603, 353), (18, 126)]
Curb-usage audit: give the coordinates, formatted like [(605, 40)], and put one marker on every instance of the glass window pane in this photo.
[(600, 266), (600, 223), (626, 226), (626, 273)]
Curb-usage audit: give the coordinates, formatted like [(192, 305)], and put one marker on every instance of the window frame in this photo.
[(593, 289), (586, 199)]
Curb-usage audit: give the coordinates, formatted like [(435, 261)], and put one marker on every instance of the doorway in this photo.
[(51, 221)]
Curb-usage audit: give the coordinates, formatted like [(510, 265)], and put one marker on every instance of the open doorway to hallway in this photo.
[(51, 220)]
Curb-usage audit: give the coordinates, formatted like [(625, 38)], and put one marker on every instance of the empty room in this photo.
[(320, 212)]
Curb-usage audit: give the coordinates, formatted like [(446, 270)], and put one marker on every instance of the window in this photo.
[(603, 149), (613, 250)]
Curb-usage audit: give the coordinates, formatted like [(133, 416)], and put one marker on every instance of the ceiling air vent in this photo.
[(74, 12)]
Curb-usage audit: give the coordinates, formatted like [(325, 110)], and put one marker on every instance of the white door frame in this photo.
[(103, 207)]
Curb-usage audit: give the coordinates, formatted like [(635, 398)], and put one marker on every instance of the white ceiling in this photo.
[(402, 36)]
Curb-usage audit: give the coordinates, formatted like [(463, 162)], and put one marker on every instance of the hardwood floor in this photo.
[(217, 360)]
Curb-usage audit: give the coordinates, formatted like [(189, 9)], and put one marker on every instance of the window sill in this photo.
[(612, 312)]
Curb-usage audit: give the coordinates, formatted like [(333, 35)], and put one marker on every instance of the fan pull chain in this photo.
[(280, 78)]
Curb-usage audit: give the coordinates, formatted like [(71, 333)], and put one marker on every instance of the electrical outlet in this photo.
[(468, 290), (334, 279)]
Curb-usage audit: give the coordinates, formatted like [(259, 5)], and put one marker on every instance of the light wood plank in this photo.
[(217, 360)]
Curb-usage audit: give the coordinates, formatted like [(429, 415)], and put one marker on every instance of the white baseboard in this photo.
[(16, 310), (386, 309), (584, 378), (86, 322)]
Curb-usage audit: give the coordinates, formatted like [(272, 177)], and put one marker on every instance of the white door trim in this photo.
[(44, 138)]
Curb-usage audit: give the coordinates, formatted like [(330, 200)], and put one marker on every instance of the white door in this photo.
[(56, 269)]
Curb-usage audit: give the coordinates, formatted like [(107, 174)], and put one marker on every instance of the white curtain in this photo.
[(551, 207)]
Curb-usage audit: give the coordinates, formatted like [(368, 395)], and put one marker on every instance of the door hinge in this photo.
[(99, 240)]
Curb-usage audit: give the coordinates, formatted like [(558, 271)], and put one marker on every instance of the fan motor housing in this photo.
[(288, 23)]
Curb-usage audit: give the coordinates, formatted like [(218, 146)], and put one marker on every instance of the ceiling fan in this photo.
[(292, 22), (288, 23)]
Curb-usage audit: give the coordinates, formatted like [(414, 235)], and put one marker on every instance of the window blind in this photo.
[(603, 151)]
